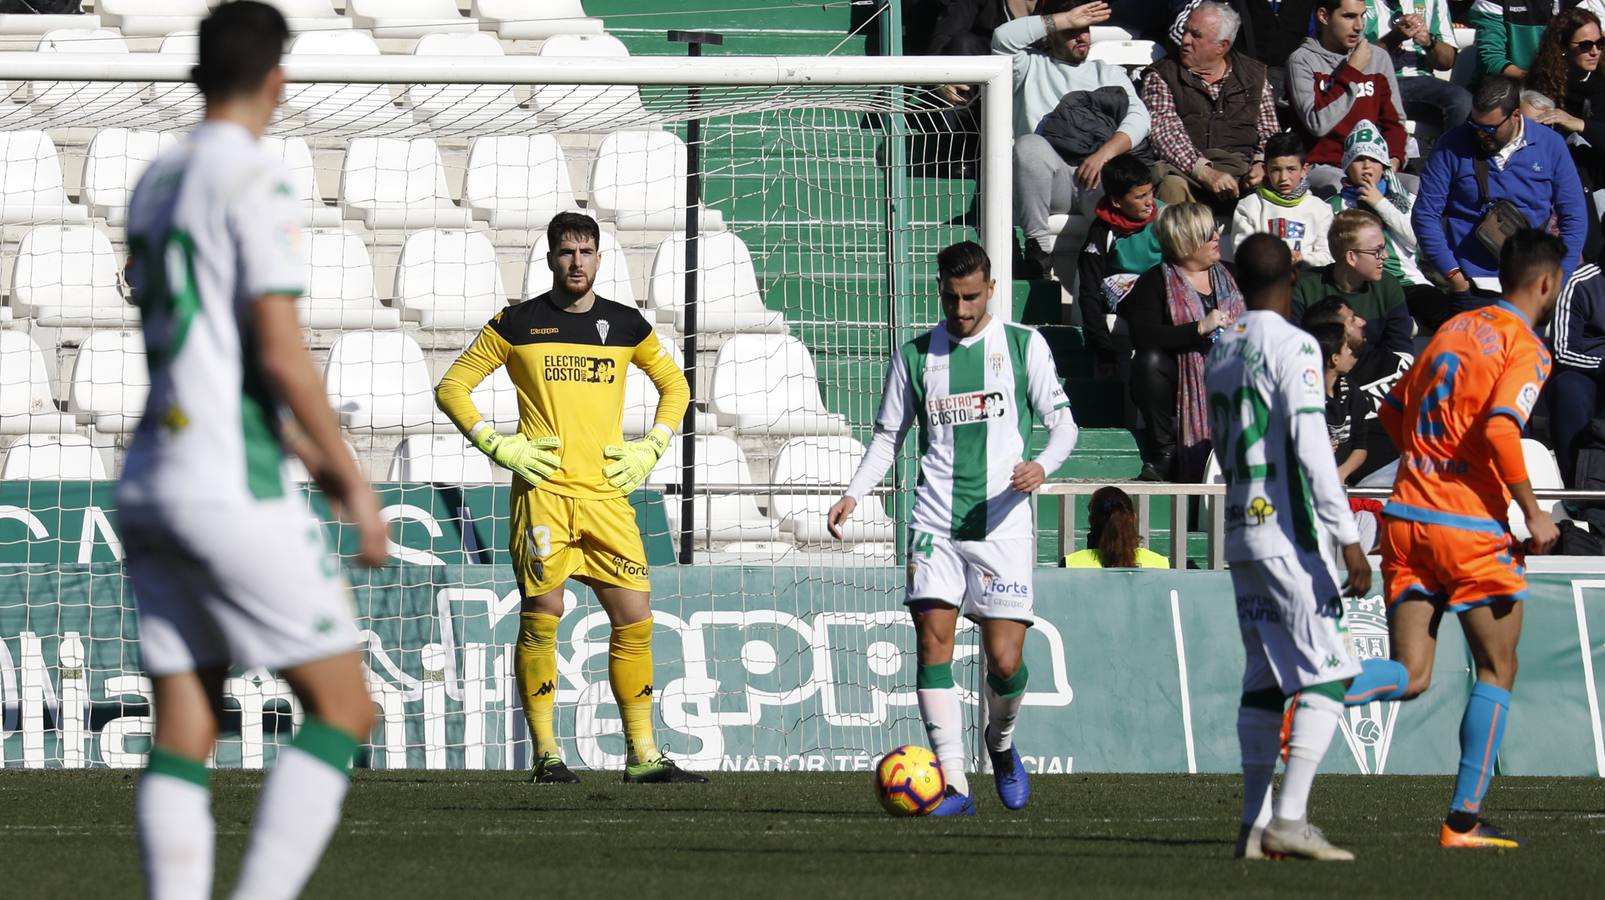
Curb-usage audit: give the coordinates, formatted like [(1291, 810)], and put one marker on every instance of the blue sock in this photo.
[(1481, 731), (1379, 679)]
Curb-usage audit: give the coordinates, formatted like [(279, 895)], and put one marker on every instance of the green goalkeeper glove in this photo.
[(634, 461), (531, 460)]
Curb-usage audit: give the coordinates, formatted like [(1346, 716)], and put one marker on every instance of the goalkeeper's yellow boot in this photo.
[(659, 771), (550, 769)]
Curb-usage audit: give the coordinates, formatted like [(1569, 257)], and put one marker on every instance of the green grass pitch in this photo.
[(484, 834)]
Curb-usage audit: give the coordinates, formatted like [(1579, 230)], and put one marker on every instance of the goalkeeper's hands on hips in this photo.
[(530, 459), (633, 461)]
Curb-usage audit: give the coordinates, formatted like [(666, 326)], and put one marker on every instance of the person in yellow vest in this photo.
[(1112, 538)]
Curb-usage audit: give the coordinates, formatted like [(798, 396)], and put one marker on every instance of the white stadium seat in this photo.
[(351, 107), (588, 107), (496, 399), (449, 279), (612, 272), (721, 517), (91, 102), (377, 381), (641, 395), (297, 158), (728, 299), (408, 18), (31, 188), (339, 284), (1130, 54), (520, 20), (398, 183), (638, 183), (310, 15), (179, 103), (518, 181), (35, 23), (455, 107), (26, 402), (766, 383), (67, 275), (110, 381), (440, 459), (140, 18), (824, 460), (115, 160), (1544, 473), (52, 457)]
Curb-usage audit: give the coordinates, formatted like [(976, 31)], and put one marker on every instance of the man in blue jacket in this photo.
[(1528, 164), (1579, 352)]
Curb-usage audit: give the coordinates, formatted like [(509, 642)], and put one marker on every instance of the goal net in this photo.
[(826, 188)]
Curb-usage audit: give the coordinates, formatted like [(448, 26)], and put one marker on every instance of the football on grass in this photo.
[(909, 781)]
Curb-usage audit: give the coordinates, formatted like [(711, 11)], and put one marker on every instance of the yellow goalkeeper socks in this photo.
[(629, 671), (537, 677)]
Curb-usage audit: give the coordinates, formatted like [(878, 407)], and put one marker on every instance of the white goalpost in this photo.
[(826, 186)]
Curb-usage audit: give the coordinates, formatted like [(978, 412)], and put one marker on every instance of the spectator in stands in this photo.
[(1174, 313), (1112, 538), (1373, 376), (964, 27), (1346, 406), (1579, 351), (1273, 29), (1121, 245), (1524, 163), (1283, 207), (1334, 81), (1044, 183), (1420, 42), (1370, 185), (1212, 111), (1508, 37), (1358, 275), (1566, 71)]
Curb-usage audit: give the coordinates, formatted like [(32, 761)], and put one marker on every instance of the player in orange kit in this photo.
[(1457, 419)]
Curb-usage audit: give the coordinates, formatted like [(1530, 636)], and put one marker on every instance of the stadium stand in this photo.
[(824, 460), (311, 15), (515, 20), (27, 404), (728, 297), (152, 17), (297, 157), (518, 181), (398, 183), (31, 186), (339, 292), (440, 458), (723, 517), (52, 457), (116, 159), (408, 18), (449, 279), (68, 275), (110, 381), (378, 382), (767, 384)]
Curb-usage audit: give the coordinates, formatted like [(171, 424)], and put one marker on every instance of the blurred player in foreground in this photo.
[(228, 565), (1457, 419), (567, 352), (973, 384), (1267, 409)]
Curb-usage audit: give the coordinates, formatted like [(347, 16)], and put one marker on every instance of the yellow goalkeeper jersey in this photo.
[(568, 369)]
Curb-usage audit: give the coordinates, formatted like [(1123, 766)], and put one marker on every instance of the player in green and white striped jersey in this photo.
[(975, 385)]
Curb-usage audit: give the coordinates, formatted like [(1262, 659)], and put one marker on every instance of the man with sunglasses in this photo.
[(1526, 164)]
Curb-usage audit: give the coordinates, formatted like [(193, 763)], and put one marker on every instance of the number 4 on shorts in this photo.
[(922, 544)]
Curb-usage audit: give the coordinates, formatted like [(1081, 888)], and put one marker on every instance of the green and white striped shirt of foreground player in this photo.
[(975, 400)]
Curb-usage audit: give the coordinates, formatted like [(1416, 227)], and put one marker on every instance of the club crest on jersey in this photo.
[(960, 409), (601, 329), (996, 362), (1368, 729)]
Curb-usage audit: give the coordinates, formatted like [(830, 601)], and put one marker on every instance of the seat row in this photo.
[(346, 106), (448, 459), (379, 383), (637, 180), (510, 19), (69, 276)]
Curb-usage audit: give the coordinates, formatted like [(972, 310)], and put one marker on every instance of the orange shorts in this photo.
[(1457, 567)]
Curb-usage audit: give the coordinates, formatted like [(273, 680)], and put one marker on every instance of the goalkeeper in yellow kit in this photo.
[(567, 352)]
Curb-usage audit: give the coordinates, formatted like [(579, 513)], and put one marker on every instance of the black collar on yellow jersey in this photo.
[(539, 320)]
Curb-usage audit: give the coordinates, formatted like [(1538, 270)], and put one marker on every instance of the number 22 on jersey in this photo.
[(1245, 408)]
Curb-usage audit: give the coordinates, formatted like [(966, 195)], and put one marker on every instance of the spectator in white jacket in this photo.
[(1044, 183), (1283, 207)]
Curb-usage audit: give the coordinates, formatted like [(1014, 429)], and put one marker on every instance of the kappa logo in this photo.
[(1368, 729), (645, 692), (601, 329), (546, 688)]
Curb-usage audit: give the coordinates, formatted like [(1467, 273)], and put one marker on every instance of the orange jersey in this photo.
[(1482, 363)]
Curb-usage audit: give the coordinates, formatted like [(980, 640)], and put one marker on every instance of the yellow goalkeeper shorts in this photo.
[(555, 538)]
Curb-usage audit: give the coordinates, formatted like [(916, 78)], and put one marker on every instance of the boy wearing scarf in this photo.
[(1369, 184), (1283, 207), (1121, 245)]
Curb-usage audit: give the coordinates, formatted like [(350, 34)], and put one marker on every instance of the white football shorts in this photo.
[(1289, 609), (983, 579), (242, 586)]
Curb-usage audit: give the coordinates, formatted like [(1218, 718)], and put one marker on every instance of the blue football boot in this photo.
[(1008, 773), (954, 804)]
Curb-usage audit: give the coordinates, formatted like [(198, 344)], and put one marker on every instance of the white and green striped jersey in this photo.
[(1267, 417), (975, 401), (212, 226)]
